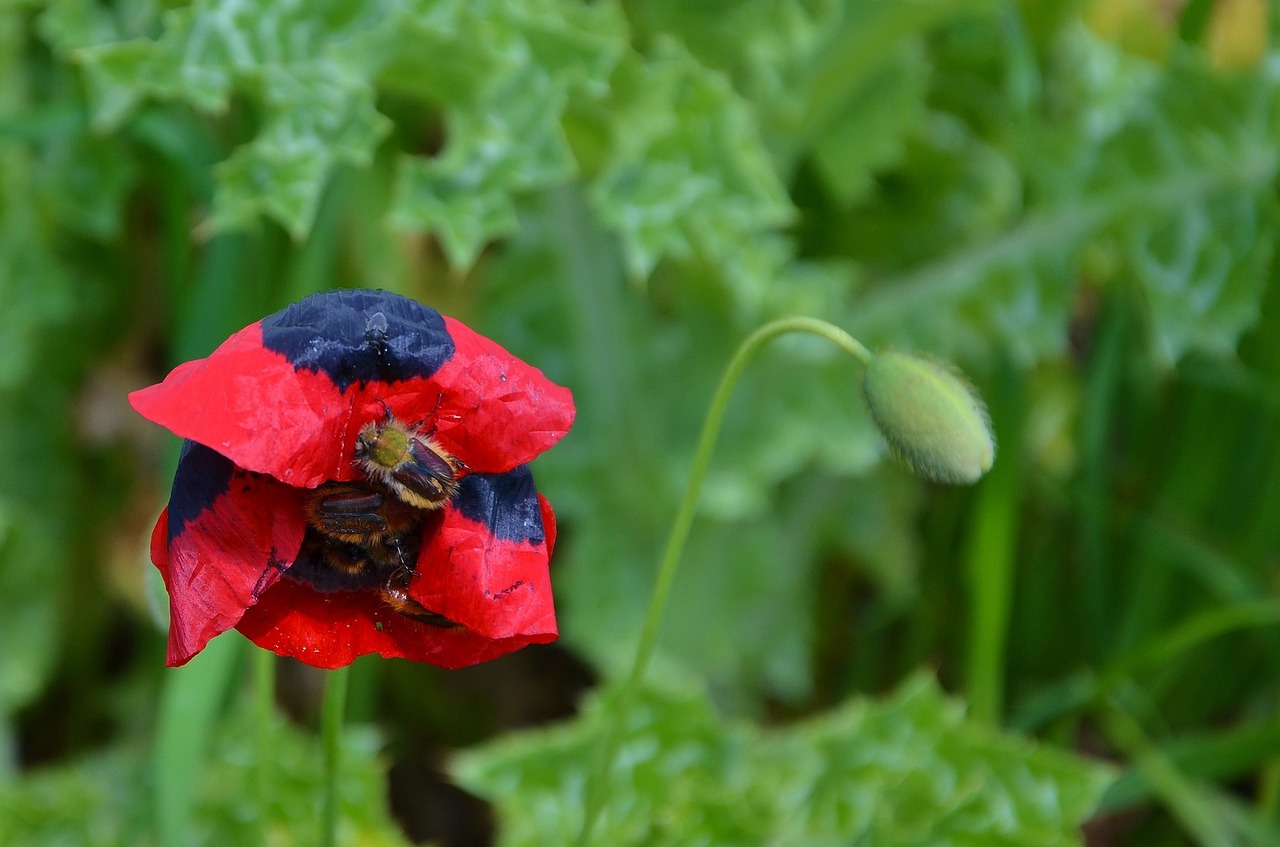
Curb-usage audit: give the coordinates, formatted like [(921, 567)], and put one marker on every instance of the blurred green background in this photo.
[(1074, 201)]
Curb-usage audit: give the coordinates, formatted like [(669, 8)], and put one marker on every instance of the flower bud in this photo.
[(931, 417)]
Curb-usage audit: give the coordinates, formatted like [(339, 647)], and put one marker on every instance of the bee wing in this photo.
[(429, 474)]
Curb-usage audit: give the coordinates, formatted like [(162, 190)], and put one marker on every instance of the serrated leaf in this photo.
[(101, 801), (906, 770), (504, 74), (318, 110), (1136, 190), (1204, 269), (870, 132), (688, 174), (823, 74), (283, 171), (510, 141)]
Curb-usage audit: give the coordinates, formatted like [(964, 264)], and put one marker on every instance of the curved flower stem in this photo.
[(680, 534), (335, 701)]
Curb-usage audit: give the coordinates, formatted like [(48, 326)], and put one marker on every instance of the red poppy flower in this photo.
[(354, 480)]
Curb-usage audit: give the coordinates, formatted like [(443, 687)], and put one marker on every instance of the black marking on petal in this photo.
[(507, 503), (504, 592), (360, 336), (274, 566), (202, 477)]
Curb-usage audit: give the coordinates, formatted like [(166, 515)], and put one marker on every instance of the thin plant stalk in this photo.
[(335, 701), (264, 705), (679, 535)]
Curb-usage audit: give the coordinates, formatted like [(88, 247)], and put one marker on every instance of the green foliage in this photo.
[(1149, 182), (102, 800), (619, 192), (906, 770)]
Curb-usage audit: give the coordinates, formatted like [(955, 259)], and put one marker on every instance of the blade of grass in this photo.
[(1216, 756), (1188, 803), (1095, 443), (189, 704), (1080, 689), (264, 699), (335, 703)]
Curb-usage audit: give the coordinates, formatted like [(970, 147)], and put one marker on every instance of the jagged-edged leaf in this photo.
[(507, 142), (687, 174), (906, 770), (104, 800), (1160, 183), (317, 105)]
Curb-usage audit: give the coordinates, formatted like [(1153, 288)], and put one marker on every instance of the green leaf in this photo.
[(101, 801), (317, 104), (870, 133), (503, 119), (688, 175), (906, 770), (509, 142), (283, 171), (1153, 180)]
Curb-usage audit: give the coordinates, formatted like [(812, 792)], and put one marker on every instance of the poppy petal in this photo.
[(330, 630), (548, 524), (250, 405), (486, 565), (497, 411), (225, 538), (287, 396)]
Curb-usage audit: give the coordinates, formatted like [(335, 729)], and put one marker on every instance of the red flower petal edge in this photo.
[(287, 396), (225, 538)]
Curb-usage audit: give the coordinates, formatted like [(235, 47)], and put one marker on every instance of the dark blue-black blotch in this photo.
[(360, 336), (202, 477), (507, 503)]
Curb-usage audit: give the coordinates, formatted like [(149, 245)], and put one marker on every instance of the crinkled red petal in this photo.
[(496, 411), (298, 420), (221, 560), (330, 630), (492, 585), (548, 524), (250, 404)]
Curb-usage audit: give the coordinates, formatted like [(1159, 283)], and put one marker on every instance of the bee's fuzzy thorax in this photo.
[(413, 466), (384, 444)]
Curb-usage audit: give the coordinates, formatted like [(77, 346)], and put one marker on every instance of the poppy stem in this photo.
[(335, 701), (596, 788), (264, 703)]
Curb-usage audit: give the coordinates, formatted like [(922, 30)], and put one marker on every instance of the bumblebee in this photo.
[(407, 462), (362, 537)]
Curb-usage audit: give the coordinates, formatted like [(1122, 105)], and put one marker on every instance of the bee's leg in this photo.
[(395, 593)]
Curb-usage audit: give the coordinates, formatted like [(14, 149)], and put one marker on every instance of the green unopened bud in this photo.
[(931, 417)]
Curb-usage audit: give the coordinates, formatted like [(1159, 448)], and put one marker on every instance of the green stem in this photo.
[(264, 704), (990, 557), (680, 533), (335, 701)]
